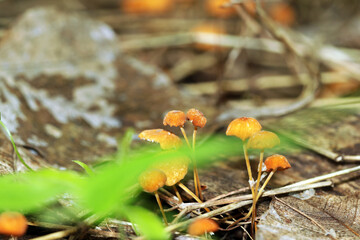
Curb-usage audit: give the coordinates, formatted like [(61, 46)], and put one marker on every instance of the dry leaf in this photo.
[(338, 215)]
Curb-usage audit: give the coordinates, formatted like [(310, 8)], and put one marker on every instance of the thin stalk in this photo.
[(248, 169), (185, 137), (191, 194), (256, 199), (264, 185), (256, 189), (196, 173), (259, 171), (161, 207), (248, 166), (177, 194)]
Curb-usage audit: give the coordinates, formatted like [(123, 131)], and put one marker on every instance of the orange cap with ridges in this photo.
[(276, 162), (166, 139), (243, 127), (175, 118), (196, 117)]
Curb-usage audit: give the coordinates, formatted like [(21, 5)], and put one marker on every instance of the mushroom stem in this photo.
[(259, 171), (177, 194), (257, 198), (196, 173), (161, 207), (264, 185), (191, 194), (248, 168), (256, 189), (185, 137)]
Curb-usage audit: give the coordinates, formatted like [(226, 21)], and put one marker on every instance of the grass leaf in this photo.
[(28, 192), (147, 223), (87, 169)]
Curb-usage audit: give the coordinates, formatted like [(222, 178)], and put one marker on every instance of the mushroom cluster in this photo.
[(174, 169), (249, 131), (170, 172)]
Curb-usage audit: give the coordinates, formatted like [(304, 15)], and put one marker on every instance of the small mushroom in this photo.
[(176, 118), (198, 120), (261, 140), (202, 226), (13, 224), (175, 170), (282, 13), (273, 163), (151, 180), (145, 7), (166, 139), (244, 128)]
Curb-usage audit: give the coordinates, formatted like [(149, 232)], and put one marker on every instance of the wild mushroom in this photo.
[(151, 180), (166, 139), (175, 170), (146, 7), (198, 120), (176, 118), (202, 226), (244, 128), (261, 140), (13, 224), (273, 163), (282, 13)]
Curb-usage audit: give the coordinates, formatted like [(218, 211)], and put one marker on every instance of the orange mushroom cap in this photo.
[(243, 127), (146, 6), (196, 117), (276, 162), (166, 139), (175, 169), (262, 140), (151, 180), (216, 9), (175, 118), (202, 226), (282, 13), (13, 223)]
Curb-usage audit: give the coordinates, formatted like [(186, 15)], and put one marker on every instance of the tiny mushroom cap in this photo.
[(151, 180), (175, 118), (262, 140), (175, 169), (166, 139), (276, 162), (202, 226), (243, 127), (13, 223), (196, 117)]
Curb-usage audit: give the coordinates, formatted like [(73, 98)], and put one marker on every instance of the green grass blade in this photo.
[(147, 223), (15, 148), (87, 169)]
